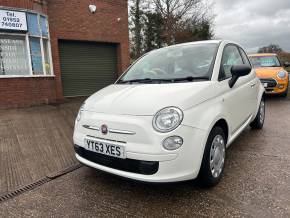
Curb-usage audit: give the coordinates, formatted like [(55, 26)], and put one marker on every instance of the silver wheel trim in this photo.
[(262, 112), (217, 156)]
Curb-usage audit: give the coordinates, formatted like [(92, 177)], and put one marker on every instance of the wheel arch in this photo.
[(222, 123), (261, 95)]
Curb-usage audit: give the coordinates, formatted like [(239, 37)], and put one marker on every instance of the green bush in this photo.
[(285, 57)]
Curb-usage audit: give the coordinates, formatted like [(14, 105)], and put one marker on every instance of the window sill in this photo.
[(26, 76)]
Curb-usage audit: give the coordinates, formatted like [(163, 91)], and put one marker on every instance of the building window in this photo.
[(33, 24), (24, 54), (14, 58), (44, 29), (36, 56), (46, 49), (39, 44)]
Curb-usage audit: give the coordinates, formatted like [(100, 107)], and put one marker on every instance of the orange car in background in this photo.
[(271, 73)]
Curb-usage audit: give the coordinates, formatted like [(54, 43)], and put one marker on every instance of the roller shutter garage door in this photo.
[(86, 67)]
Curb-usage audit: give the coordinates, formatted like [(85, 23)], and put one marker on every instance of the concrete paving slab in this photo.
[(35, 142)]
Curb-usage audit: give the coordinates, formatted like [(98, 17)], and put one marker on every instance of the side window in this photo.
[(245, 57), (231, 56)]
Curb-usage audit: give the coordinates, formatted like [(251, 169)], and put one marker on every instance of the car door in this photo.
[(254, 82), (236, 100)]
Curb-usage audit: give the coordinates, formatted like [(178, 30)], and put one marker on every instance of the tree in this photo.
[(285, 57), (194, 30), (153, 31), (204, 30), (136, 14), (157, 23), (272, 48), (173, 11)]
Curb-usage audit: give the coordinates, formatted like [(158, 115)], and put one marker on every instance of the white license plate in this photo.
[(265, 85), (105, 148)]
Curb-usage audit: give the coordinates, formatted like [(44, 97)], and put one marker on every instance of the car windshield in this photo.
[(265, 61), (182, 63)]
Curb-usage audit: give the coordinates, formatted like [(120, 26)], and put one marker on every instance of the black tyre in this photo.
[(284, 94), (258, 122), (212, 166)]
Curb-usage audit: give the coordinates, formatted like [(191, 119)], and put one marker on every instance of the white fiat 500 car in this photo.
[(172, 114)]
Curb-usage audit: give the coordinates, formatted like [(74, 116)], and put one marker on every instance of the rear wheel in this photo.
[(213, 158), (258, 122)]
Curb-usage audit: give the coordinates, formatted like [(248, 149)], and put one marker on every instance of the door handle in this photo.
[(253, 85)]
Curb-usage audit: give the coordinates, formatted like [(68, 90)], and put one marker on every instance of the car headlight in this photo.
[(167, 119), (281, 74), (79, 116)]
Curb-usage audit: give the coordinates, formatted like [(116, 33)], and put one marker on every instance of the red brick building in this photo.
[(52, 49)]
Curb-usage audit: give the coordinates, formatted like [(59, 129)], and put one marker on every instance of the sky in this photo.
[(253, 23)]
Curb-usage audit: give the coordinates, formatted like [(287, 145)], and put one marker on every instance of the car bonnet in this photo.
[(147, 99)]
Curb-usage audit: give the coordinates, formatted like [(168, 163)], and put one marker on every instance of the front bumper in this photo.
[(275, 86), (146, 159), (127, 165)]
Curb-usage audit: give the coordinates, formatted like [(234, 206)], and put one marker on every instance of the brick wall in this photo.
[(70, 20), (28, 4), (24, 92), (36, 5)]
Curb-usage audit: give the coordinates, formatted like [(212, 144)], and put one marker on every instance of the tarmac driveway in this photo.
[(256, 181)]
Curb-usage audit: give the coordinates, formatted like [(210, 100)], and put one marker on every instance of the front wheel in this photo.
[(258, 122), (213, 161), (284, 94)]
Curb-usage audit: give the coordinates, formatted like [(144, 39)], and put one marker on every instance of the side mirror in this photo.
[(237, 72), (287, 64)]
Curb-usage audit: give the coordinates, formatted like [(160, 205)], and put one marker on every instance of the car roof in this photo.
[(194, 43), (263, 55), (215, 41)]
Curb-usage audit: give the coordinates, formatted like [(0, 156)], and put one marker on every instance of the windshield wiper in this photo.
[(146, 80), (190, 78), (149, 80)]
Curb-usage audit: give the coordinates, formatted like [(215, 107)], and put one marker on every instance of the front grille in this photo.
[(269, 90), (271, 82), (127, 165)]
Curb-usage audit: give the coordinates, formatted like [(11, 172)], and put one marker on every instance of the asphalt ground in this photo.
[(256, 181)]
